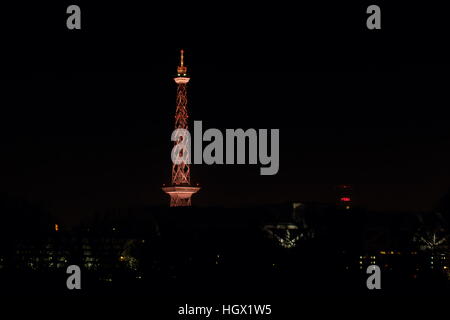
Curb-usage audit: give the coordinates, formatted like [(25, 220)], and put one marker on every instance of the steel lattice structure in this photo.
[(181, 174), (181, 190)]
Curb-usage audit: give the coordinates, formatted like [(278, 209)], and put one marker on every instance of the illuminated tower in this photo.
[(181, 191)]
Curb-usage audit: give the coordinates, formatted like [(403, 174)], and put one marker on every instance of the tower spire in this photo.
[(181, 70)]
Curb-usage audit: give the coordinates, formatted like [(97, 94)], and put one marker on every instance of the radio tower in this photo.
[(181, 191)]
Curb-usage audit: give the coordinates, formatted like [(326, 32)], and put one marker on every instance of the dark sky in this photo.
[(86, 118), (80, 142)]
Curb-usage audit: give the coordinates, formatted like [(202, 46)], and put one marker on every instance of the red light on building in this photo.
[(346, 199)]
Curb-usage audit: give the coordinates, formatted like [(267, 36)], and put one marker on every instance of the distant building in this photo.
[(345, 196)]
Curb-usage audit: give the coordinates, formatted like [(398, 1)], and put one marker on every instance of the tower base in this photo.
[(180, 196)]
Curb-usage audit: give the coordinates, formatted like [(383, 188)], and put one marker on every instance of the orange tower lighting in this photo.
[(181, 191)]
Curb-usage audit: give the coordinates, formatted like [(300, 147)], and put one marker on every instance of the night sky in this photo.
[(86, 118)]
